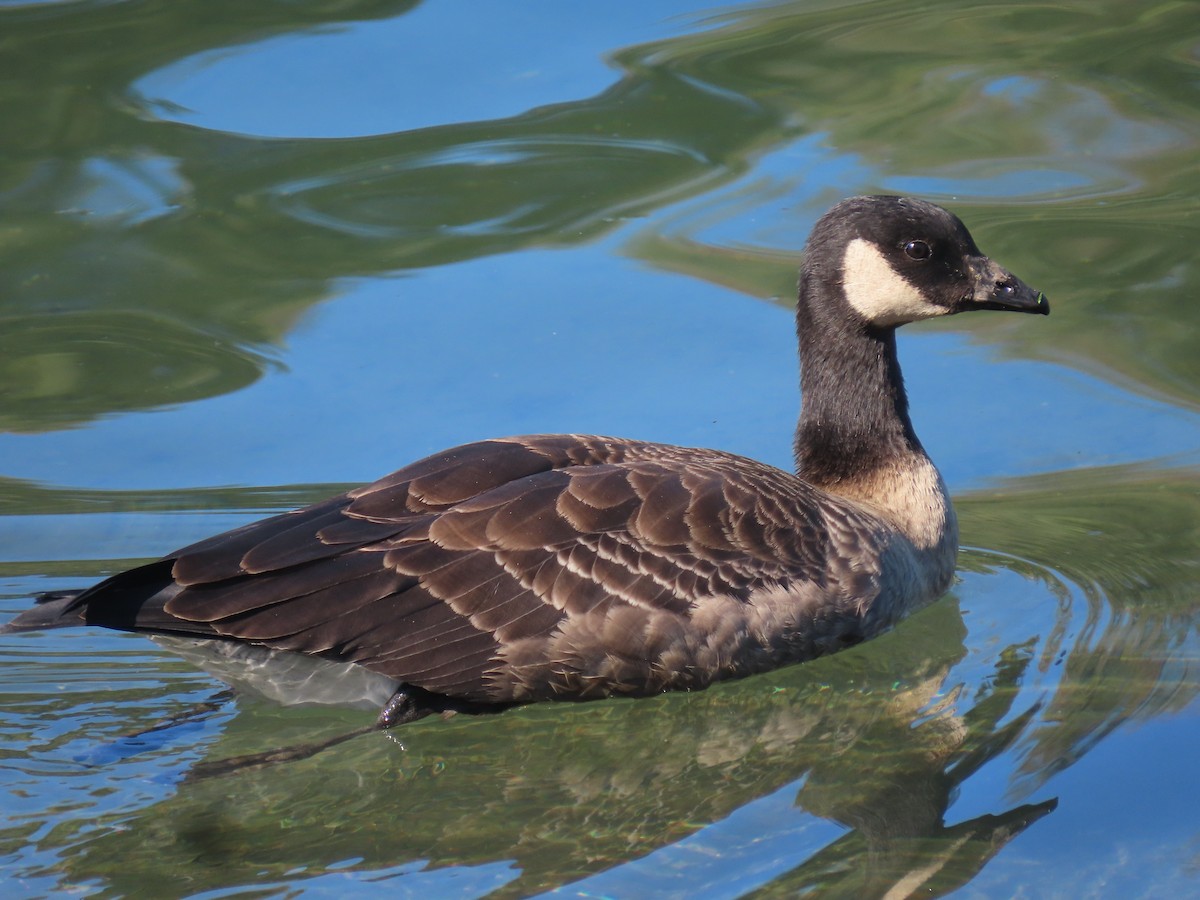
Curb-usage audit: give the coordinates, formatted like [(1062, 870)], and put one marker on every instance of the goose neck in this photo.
[(854, 412)]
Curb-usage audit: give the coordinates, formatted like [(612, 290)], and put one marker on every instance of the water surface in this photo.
[(250, 254)]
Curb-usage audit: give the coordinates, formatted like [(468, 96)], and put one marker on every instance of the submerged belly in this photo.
[(283, 676)]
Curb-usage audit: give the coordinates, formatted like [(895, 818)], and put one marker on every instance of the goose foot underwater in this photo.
[(576, 567)]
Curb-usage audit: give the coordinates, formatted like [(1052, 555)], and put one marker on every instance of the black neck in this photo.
[(854, 414)]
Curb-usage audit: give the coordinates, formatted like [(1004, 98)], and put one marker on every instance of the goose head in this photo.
[(896, 260)]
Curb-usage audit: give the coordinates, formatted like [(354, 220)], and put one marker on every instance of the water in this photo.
[(252, 253)]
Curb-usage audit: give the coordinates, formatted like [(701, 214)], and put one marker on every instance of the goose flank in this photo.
[(579, 567)]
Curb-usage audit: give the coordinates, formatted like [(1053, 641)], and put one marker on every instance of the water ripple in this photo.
[(491, 188)]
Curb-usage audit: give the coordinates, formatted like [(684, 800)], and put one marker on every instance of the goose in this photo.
[(576, 567)]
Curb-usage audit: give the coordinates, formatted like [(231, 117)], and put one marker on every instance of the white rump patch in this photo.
[(877, 292)]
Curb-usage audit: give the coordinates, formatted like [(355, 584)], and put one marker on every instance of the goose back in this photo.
[(564, 565)]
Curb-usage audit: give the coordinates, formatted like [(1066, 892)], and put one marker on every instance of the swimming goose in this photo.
[(576, 566)]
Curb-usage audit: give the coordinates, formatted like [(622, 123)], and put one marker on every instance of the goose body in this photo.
[(578, 566)]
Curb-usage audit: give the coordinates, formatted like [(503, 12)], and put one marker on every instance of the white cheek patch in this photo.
[(877, 292)]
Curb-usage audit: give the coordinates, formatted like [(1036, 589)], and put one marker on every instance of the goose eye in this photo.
[(918, 250)]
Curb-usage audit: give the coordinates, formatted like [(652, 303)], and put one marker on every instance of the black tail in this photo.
[(54, 609), (133, 600)]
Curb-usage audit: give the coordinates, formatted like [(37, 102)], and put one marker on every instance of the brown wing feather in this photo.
[(471, 572)]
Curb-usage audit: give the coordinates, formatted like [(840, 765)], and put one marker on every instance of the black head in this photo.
[(900, 260)]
